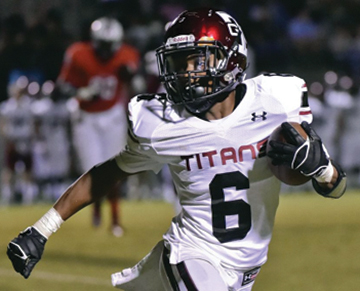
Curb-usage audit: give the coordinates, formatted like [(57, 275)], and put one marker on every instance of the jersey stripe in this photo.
[(304, 99), (168, 270), (307, 112), (185, 276)]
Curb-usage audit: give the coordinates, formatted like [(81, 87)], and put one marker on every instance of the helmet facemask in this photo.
[(196, 74), (105, 49)]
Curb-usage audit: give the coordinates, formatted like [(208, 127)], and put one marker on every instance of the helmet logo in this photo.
[(233, 29), (180, 39), (232, 25)]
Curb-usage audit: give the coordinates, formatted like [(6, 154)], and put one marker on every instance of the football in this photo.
[(282, 172)]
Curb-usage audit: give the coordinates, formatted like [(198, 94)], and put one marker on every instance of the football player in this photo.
[(210, 128), (17, 128), (98, 73)]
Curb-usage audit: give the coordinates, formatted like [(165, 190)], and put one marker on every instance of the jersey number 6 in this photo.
[(221, 208)]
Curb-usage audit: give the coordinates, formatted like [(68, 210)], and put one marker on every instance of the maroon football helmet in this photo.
[(217, 46)]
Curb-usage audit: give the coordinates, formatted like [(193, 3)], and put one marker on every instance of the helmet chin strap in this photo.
[(201, 105)]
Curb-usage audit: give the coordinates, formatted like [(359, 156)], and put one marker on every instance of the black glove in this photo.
[(308, 156), (25, 251)]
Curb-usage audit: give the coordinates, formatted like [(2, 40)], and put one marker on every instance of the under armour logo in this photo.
[(250, 276), (255, 116)]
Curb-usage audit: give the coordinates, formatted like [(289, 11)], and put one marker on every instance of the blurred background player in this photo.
[(98, 74), (17, 130), (51, 143)]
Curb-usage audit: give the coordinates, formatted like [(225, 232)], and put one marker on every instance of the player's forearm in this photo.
[(90, 187), (76, 197)]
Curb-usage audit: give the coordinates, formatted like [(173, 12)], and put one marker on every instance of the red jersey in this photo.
[(82, 68)]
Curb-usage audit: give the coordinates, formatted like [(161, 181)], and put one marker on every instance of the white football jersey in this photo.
[(228, 195), (18, 122)]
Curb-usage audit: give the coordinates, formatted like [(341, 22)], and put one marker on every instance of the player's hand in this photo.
[(308, 156), (26, 250), (87, 93)]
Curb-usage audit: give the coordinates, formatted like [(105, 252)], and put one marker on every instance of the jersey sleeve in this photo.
[(132, 58), (287, 94), (139, 154), (305, 113), (70, 71)]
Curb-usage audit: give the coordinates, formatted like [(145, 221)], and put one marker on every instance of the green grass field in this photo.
[(314, 247)]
